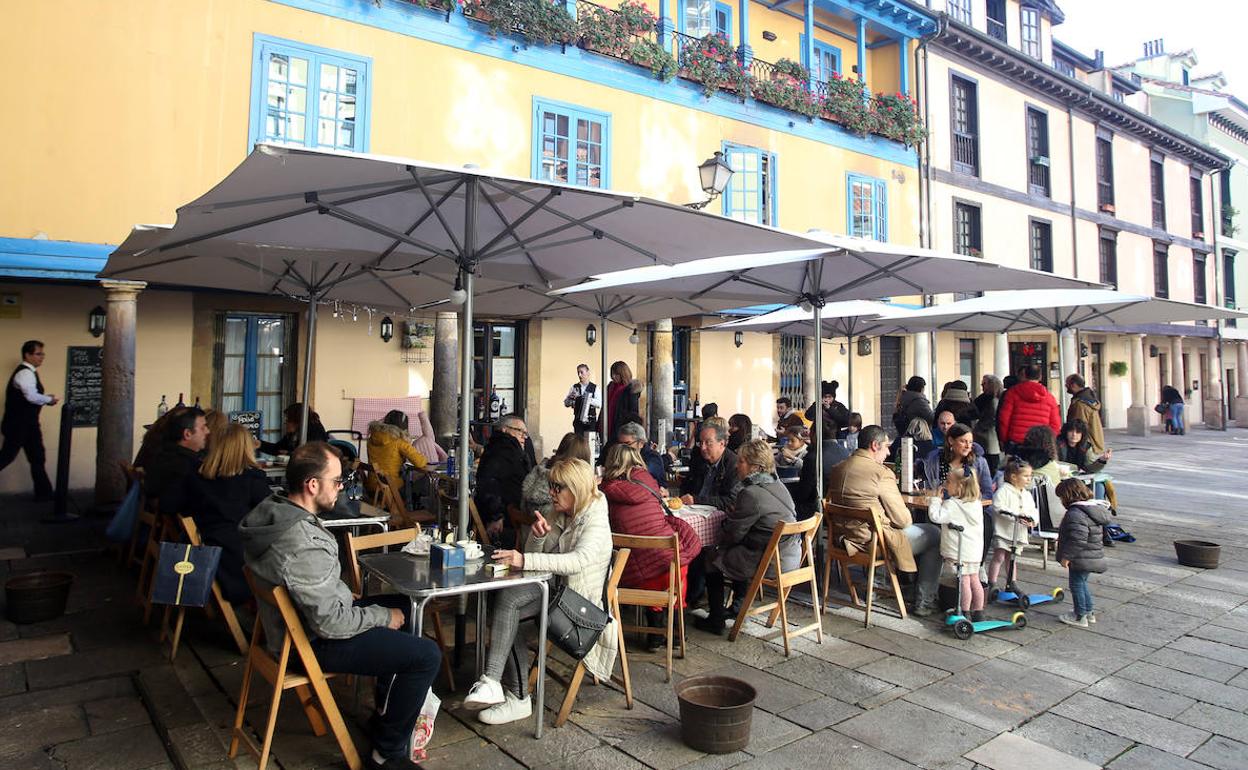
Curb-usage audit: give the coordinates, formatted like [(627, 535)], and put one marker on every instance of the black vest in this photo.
[(17, 410)]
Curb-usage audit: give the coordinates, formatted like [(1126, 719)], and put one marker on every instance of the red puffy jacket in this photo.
[(1024, 406), (634, 510)]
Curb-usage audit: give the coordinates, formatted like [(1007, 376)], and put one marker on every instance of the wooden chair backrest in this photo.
[(617, 571), (669, 543), (192, 531), (279, 597), (358, 543), (837, 515), (806, 528), (450, 502)]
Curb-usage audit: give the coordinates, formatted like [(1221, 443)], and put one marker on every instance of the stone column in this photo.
[(661, 384), (1241, 384), (1137, 413), (443, 406), (1069, 358), (1001, 355), (114, 442), (1177, 377), (1213, 388)]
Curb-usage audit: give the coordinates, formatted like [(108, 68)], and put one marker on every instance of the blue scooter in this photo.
[(962, 626), (1012, 594)]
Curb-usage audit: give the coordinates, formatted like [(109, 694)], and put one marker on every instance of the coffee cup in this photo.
[(472, 549)]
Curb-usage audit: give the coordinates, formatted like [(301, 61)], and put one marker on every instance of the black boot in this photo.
[(655, 619), (716, 621), (1106, 540)]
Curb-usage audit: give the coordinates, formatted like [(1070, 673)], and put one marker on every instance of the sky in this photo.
[(1120, 27)]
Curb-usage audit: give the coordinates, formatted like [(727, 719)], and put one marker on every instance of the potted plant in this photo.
[(711, 61), (845, 104), (788, 87), (536, 21), (1117, 368), (1108, 208), (897, 118), (626, 33)]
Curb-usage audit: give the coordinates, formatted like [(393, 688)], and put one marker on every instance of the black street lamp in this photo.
[(713, 175), (96, 320), (591, 335), (387, 329)]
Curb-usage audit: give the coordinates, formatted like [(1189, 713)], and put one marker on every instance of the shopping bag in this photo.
[(122, 524), (185, 573), (422, 733)]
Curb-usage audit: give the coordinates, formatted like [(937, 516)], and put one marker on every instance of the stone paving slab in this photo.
[(821, 713), (601, 758), (112, 714), (839, 651), (996, 695), (914, 733), (12, 679), (477, 754), (776, 693), (1194, 687), (823, 677), (1068, 653), (769, 732), (1139, 726), (1074, 738), (1222, 753), (1215, 719), (1141, 696), (1139, 623), (922, 651), (830, 747), (1236, 656), (108, 661), (1206, 668), (1149, 758), (1214, 633), (37, 728), (1014, 752), (39, 648), (138, 746), (661, 749), (903, 673)]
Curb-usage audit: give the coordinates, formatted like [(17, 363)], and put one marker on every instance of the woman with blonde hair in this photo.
[(623, 397), (575, 545), (635, 507), (761, 504), (228, 485)]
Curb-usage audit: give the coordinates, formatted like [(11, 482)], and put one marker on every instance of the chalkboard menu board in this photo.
[(84, 378), (252, 421)]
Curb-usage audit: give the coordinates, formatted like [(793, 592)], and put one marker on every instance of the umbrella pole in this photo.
[(849, 393), (819, 399), (606, 422), (307, 369), (464, 467)]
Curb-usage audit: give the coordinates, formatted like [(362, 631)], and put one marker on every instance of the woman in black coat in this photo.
[(226, 488)]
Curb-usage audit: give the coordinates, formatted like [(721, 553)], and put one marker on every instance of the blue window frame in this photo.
[(571, 144), (827, 59), (723, 20), (867, 207), (251, 373), (696, 18), (310, 96), (751, 192)]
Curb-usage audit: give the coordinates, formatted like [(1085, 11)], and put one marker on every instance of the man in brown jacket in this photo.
[(1084, 405), (863, 481)]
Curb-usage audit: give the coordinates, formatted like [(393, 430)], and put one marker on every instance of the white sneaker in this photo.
[(486, 692), (1090, 617), (1070, 619), (512, 709)]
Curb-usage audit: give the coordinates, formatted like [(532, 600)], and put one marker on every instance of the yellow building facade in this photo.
[(142, 105)]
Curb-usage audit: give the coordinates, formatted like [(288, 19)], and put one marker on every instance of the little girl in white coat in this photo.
[(1011, 497), (961, 506)]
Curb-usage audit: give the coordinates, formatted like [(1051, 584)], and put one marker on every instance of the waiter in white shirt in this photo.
[(23, 399), (585, 401)]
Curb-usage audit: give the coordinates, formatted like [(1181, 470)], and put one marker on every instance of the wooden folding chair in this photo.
[(374, 488), (450, 502), (392, 502), (612, 598), (358, 543), (875, 555), (783, 582), (218, 599), (318, 702), (671, 599), (159, 528)]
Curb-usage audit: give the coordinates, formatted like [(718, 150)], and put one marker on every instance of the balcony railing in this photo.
[(630, 34), (996, 30), (966, 153)]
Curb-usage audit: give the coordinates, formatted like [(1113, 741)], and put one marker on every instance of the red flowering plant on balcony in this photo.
[(627, 33), (786, 85), (845, 102), (712, 61), (536, 21), (897, 118), (437, 5)]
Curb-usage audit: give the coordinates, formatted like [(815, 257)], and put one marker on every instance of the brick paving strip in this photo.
[(1160, 682)]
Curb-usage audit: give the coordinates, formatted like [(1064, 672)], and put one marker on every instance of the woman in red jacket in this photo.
[(635, 507)]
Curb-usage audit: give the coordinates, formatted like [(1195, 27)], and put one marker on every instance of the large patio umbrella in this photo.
[(841, 269), (315, 223), (1056, 311), (849, 319)]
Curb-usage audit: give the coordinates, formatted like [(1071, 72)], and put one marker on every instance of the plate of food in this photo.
[(698, 510)]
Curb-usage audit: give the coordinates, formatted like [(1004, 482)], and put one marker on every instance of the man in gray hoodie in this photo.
[(285, 544)]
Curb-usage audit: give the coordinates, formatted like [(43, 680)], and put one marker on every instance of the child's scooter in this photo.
[(961, 625), (1012, 594)]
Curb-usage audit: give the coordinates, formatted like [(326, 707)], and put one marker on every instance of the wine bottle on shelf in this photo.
[(697, 406), (180, 401), (162, 408), (496, 407), (197, 402)]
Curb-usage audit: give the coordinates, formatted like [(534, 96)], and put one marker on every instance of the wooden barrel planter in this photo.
[(1197, 553), (715, 713)]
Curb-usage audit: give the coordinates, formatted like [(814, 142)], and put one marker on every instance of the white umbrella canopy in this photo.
[(322, 225)]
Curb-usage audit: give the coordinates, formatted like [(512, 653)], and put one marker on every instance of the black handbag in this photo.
[(573, 623)]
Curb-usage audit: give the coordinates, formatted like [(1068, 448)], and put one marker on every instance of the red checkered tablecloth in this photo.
[(707, 527)]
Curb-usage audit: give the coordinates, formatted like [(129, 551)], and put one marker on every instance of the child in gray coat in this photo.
[(1079, 547)]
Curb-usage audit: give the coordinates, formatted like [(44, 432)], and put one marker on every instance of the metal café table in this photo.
[(412, 576), (369, 516)]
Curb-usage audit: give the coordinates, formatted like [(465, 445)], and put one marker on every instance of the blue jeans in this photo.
[(405, 666), (1079, 594), (1176, 417)]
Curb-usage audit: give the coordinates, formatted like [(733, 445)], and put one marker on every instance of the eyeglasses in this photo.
[(555, 487), (521, 431), (339, 481)]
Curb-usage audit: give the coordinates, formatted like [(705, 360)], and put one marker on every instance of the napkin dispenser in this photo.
[(446, 556)]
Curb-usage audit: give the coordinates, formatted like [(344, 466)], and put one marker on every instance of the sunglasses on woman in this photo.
[(556, 488)]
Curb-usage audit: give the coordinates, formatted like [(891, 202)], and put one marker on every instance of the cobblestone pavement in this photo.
[(1161, 681)]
